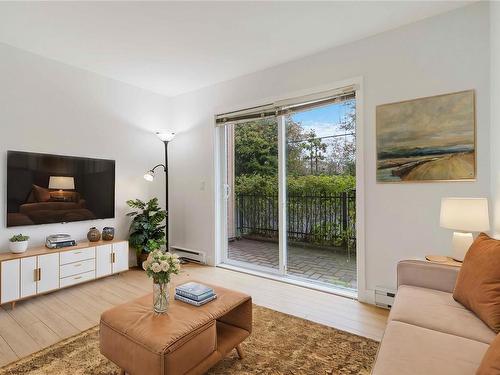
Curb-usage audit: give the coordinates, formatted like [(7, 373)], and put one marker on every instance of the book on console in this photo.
[(193, 302), (194, 291)]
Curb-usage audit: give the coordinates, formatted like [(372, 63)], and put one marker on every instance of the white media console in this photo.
[(41, 270)]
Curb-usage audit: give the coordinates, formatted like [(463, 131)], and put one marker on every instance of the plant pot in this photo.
[(18, 246), (141, 258)]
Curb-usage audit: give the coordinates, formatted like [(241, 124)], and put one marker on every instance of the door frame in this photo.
[(220, 242)]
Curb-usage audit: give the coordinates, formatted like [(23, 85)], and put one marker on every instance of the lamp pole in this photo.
[(166, 193), (165, 137)]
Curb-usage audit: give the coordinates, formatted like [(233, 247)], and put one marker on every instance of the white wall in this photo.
[(495, 114), (49, 107), (443, 54)]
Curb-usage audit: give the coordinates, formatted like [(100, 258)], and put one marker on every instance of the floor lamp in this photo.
[(165, 137)]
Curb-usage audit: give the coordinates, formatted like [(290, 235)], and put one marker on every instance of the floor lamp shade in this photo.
[(464, 215)]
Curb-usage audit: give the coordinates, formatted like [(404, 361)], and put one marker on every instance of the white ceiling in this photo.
[(175, 47)]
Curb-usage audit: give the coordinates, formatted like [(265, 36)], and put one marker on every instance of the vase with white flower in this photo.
[(160, 266)]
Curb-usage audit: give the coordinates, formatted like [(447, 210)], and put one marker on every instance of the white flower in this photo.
[(165, 266), (145, 265), (156, 268)]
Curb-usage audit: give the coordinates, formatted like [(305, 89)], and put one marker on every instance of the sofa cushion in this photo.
[(491, 360), (410, 350), (41, 194), (478, 283), (433, 309)]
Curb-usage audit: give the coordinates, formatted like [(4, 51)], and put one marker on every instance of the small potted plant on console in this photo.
[(18, 243)]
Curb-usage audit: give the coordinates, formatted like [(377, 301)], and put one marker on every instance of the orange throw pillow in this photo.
[(490, 364), (478, 282)]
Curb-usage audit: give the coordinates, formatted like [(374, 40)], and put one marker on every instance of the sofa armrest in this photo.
[(427, 275)]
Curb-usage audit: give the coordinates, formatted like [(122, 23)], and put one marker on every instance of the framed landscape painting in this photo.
[(427, 139)]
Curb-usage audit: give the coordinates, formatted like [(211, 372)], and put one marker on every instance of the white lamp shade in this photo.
[(61, 183), (149, 176), (165, 136), (465, 214)]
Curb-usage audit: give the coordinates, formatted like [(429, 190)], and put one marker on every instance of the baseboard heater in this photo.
[(189, 255), (384, 297)]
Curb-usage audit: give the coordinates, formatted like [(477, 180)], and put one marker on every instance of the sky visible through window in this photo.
[(329, 138), (325, 121)]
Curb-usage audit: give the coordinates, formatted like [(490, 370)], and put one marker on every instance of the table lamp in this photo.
[(464, 215), (61, 183)]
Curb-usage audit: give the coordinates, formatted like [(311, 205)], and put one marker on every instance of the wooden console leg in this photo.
[(13, 304), (240, 352), (122, 372)]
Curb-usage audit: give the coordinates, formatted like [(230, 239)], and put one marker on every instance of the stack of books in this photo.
[(194, 293)]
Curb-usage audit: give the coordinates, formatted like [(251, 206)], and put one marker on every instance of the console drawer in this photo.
[(76, 279), (77, 268), (77, 255)]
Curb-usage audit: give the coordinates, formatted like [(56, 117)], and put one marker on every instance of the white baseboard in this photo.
[(367, 296)]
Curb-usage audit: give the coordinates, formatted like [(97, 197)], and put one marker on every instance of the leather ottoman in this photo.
[(186, 340)]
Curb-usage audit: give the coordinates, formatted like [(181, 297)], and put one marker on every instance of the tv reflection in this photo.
[(58, 202)]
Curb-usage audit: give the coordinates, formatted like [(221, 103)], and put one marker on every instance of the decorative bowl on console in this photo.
[(93, 235), (108, 233)]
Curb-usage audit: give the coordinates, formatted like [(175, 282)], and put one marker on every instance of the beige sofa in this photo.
[(428, 332)]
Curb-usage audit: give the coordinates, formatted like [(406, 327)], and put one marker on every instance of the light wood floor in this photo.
[(44, 320)]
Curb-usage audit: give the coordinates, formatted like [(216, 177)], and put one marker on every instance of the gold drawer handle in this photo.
[(77, 252), (76, 278), (78, 265)]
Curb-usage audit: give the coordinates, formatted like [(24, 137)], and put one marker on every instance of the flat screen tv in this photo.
[(43, 188)]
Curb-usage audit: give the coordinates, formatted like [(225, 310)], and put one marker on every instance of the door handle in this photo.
[(38, 274), (113, 257)]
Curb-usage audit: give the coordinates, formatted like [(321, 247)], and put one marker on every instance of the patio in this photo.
[(313, 263)]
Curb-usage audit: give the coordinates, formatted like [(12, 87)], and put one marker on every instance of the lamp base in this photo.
[(461, 243)]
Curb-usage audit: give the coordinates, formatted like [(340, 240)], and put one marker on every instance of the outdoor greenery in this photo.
[(147, 230), (314, 165), (296, 185), (320, 169)]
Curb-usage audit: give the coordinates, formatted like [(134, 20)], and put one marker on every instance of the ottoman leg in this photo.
[(240, 352), (122, 372)]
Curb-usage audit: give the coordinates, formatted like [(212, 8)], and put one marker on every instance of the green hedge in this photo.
[(299, 185)]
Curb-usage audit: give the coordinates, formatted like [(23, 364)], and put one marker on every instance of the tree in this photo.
[(316, 150), (295, 147), (256, 148), (342, 159)]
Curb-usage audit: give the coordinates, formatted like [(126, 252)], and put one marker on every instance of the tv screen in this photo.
[(43, 188)]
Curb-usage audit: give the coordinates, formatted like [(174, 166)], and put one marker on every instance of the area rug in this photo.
[(280, 344)]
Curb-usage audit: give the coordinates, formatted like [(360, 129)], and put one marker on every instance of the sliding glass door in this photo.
[(252, 194), (289, 192), (321, 200)]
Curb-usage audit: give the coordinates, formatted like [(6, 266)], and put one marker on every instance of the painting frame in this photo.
[(471, 92)]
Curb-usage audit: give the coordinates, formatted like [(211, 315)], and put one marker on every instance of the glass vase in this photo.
[(161, 297)]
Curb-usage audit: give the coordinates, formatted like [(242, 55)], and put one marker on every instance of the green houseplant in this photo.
[(18, 243), (147, 230)]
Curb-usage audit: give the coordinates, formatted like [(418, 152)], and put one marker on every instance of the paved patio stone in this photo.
[(316, 264)]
